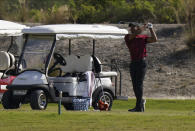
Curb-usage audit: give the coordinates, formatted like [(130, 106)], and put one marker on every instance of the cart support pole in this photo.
[(93, 47), (69, 46), (120, 84), (60, 102), (116, 79)]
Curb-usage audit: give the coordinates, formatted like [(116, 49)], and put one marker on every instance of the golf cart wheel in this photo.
[(38, 100), (9, 101), (106, 98)]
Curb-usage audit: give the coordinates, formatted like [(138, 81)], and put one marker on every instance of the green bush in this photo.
[(117, 11), (57, 15), (53, 15), (87, 14), (38, 16), (189, 10), (96, 11)]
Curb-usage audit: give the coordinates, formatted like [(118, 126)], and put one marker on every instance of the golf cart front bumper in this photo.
[(23, 90)]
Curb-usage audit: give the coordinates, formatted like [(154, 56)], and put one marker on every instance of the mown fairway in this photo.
[(160, 115)]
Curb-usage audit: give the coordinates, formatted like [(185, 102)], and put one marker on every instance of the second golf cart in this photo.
[(75, 76), (11, 43)]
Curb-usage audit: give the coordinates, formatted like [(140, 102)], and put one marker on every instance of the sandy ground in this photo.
[(171, 72)]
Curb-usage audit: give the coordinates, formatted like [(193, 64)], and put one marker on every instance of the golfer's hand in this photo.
[(150, 26)]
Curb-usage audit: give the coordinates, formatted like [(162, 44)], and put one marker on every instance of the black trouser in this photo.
[(137, 71)]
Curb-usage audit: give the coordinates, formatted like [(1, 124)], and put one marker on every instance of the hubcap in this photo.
[(42, 100), (105, 99)]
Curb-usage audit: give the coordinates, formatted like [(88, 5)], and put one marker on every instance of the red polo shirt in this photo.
[(137, 46)]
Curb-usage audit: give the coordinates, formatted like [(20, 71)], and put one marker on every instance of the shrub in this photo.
[(54, 15), (87, 14), (97, 11), (58, 15), (38, 15), (189, 8)]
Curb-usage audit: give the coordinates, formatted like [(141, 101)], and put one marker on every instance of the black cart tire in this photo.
[(9, 101), (38, 100), (106, 98)]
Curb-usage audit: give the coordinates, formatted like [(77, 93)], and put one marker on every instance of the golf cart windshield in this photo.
[(36, 52), (12, 44), (11, 37)]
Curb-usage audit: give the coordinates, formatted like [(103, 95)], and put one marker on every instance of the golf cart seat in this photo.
[(98, 69), (12, 59), (7, 60), (1, 74), (75, 64), (74, 85), (4, 61)]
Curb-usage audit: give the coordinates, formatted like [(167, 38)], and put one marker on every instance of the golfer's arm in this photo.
[(153, 37)]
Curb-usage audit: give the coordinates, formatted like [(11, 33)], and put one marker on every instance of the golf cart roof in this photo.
[(64, 31), (8, 28)]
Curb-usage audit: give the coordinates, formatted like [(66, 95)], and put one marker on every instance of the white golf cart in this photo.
[(11, 35), (77, 76)]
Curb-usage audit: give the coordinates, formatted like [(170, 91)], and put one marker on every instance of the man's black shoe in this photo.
[(132, 110), (136, 110), (139, 109)]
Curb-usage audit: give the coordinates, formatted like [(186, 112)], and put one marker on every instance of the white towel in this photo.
[(90, 84)]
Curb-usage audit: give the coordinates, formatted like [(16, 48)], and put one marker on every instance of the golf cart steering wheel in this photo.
[(59, 59)]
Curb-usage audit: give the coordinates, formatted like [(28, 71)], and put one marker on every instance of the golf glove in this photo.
[(150, 26)]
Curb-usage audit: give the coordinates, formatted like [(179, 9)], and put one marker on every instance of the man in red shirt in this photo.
[(136, 42)]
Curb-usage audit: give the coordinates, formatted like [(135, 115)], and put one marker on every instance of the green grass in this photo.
[(160, 115)]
